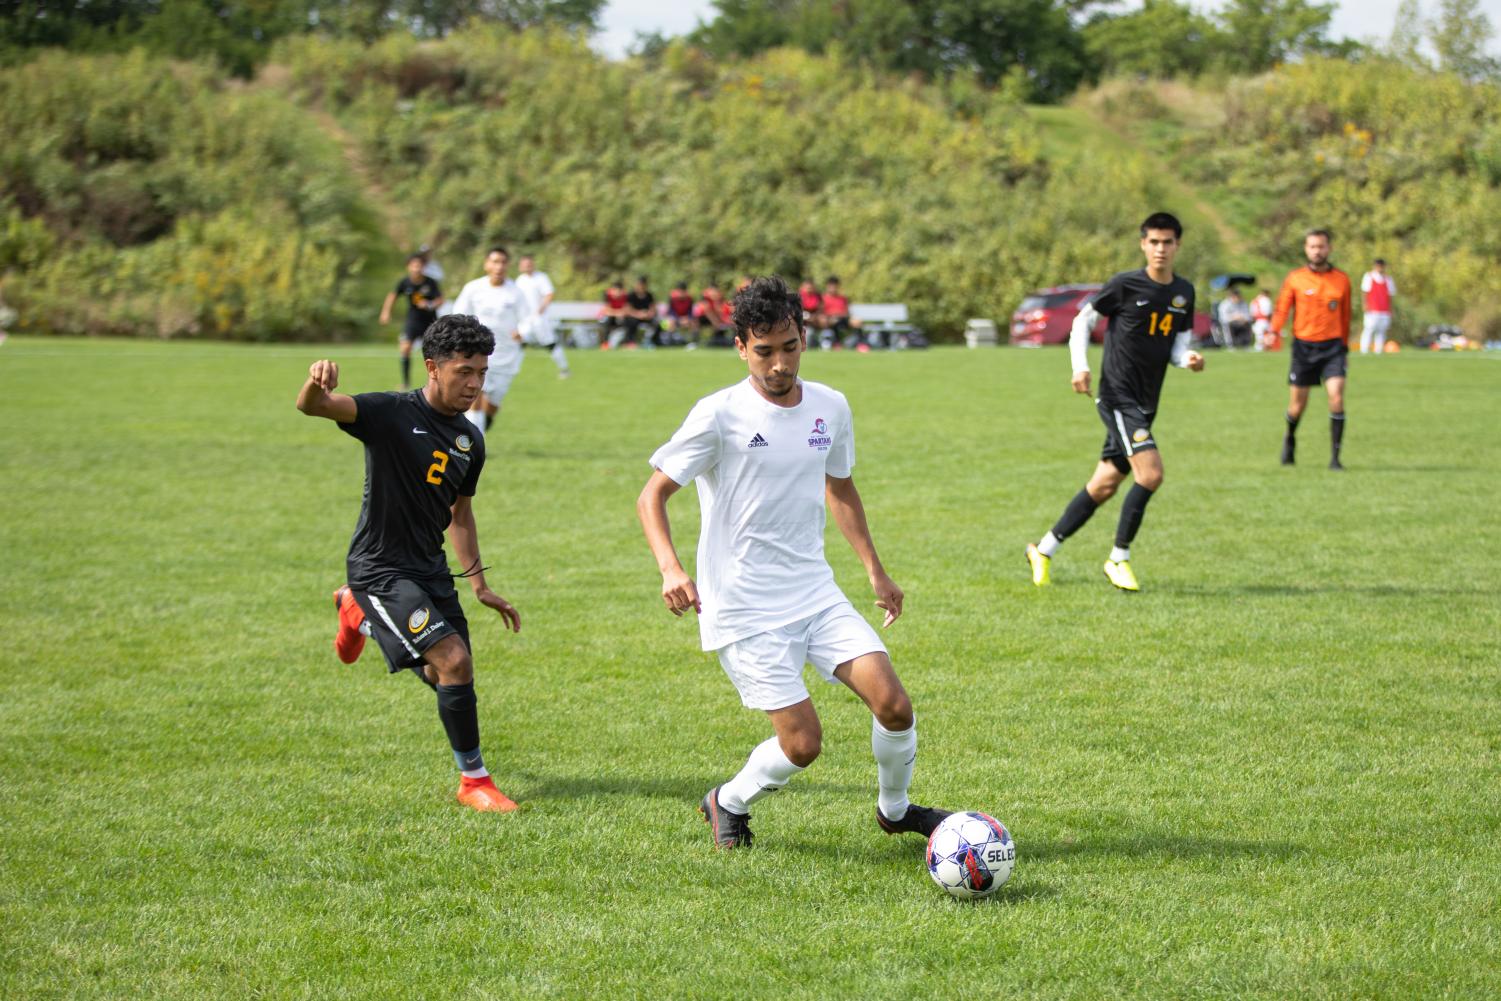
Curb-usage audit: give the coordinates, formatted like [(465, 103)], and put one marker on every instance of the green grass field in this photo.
[(1275, 773)]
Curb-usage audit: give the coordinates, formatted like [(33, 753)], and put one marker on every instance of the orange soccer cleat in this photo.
[(349, 641), (481, 794)]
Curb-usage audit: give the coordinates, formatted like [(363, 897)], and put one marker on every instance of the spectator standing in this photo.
[(1379, 291), (812, 303), (1261, 322), (536, 296), (423, 296)]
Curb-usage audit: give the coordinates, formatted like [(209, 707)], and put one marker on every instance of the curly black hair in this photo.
[(764, 305), (456, 334)]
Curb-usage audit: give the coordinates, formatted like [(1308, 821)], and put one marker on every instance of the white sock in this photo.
[(477, 418), (895, 754), (766, 770), (1119, 555), (1047, 547)]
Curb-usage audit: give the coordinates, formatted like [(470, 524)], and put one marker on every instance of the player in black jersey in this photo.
[(422, 464), (1147, 309), (423, 296)]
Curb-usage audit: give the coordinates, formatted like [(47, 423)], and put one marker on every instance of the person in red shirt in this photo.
[(812, 304), (1377, 320), (613, 319), (713, 311), (1318, 298), (837, 325), (680, 324)]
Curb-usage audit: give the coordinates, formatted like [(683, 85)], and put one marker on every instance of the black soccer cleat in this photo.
[(1336, 465), (730, 830), (917, 820), (1288, 447)]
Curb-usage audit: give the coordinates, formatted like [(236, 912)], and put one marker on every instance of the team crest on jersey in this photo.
[(418, 619), (819, 436), (1179, 301), (464, 442), (1140, 435)]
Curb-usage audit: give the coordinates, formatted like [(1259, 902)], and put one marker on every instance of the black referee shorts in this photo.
[(1315, 361), (408, 617), (1128, 430)]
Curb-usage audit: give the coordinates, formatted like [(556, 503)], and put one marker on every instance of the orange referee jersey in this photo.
[(1319, 302)]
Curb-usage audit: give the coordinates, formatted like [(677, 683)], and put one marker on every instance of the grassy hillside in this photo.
[(156, 198)]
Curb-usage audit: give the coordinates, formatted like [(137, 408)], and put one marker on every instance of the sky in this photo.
[(1359, 19)]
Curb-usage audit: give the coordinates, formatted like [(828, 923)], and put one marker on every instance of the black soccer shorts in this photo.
[(1315, 361), (408, 617), (1128, 430)]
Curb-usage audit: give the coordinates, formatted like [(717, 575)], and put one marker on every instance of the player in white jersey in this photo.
[(496, 302), (766, 453), (536, 327)]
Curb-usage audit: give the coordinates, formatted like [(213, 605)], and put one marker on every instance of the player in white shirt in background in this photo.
[(496, 302), (536, 327), (1379, 291), (766, 453), (434, 270)]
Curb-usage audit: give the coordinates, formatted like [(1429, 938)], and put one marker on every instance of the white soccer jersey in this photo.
[(499, 308), (534, 288), (760, 470)]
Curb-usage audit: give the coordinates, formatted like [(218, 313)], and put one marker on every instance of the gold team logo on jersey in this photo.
[(1179, 301), (463, 441), (1139, 436), (417, 620)]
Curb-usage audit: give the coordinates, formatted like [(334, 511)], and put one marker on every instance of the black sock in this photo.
[(1075, 515), (406, 370), (1292, 424), (456, 708), (1336, 434), (1132, 509)]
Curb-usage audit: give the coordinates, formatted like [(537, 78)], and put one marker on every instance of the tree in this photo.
[(994, 39), (1163, 39), (1460, 34), (1408, 30), (1265, 33)]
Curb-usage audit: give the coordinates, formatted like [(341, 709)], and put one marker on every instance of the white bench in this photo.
[(576, 322), (889, 321)]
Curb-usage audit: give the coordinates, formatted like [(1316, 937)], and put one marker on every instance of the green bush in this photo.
[(141, 196)]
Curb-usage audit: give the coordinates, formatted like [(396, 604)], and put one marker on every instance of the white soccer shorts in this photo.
[(767, 668), (498, 379)]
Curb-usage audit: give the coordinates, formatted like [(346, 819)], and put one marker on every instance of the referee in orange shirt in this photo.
[(1318, 297)]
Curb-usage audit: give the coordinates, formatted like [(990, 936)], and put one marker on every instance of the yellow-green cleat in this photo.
[(1121, 575), (1041, 573)]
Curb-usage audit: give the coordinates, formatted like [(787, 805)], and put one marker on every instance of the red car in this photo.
[(1047, 315)]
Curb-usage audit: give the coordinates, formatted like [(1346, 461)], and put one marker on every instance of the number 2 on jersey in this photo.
[(1163, 326), (435, 471)]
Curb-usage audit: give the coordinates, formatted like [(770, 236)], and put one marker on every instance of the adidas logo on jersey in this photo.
[(758, 442)]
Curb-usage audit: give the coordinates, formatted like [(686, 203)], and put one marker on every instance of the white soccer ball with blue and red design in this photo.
[(970, 855)]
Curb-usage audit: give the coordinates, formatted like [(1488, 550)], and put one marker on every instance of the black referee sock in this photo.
[(1292, 424), (457, 709), (1075, 515), (1132, 509), (1336, 434)]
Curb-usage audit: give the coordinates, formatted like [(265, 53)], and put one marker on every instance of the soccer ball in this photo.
[(970, 855)]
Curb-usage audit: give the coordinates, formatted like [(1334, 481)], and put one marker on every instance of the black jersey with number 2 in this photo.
[(1145, 319), (417, 463)]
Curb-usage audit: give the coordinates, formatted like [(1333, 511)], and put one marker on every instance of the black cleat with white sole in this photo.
[(917, 820), (731, 830)]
